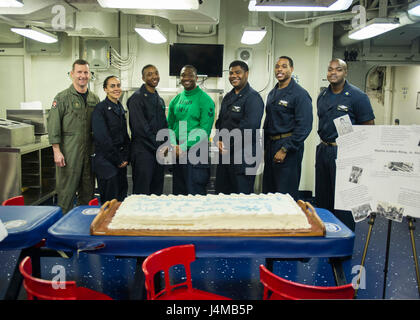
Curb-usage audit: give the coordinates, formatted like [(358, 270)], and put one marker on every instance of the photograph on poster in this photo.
[(400, 166), (390, 211), (355, 174), (343, 125), (361, 212)]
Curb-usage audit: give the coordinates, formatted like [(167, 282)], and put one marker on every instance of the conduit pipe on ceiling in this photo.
[(344, 40), (403, 16), (310, 27)]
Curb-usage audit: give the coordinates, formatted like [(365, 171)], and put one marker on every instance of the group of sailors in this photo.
[(76, 113)]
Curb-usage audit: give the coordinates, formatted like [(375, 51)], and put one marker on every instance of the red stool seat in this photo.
[(163, 260), (277, 288)]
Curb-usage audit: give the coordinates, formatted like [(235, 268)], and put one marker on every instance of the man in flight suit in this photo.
[(339, 99), (287, 124), (242, 108), (70, 134), (146, 116)]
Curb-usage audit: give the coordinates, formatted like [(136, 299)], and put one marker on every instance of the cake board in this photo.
[(99, 226)]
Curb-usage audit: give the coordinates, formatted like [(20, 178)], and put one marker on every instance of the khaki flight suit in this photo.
[(69, 125)]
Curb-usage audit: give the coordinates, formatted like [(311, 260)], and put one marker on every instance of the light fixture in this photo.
[(374, 27), (277, 5), (150, 33), (36, 34), (151, 4), (414, 8), (253, 35), (11, 3)]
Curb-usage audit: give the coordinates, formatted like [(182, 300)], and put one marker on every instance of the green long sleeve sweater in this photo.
[(190, 117)]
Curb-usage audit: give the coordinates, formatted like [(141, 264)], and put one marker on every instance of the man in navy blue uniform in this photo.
[(287, 124), (112, 143), (339, 99), (242, 108), (146, 116)]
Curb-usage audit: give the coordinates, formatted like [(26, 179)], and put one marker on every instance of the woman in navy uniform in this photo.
[(242, 108), (339, 99), (287, 124), (147, 116), (112, 143)]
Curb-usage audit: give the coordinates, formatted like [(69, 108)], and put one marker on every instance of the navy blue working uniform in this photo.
[(147, 117), (112, 148), (239, 111), (287, 124), (350, 101)]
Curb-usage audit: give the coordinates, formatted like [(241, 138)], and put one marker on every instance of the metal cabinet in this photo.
[(28, 170)]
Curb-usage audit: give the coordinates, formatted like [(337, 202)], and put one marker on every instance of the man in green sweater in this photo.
[(190, 117)]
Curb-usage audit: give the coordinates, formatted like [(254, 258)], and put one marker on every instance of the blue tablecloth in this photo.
[(72, 233), (27, 224)]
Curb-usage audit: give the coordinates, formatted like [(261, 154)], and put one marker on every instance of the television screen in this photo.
[(207, 58)]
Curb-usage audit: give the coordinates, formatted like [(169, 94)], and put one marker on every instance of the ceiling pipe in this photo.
[(310, 27), (404, 19)]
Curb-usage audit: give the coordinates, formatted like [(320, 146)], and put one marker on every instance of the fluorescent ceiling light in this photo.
[(374, 27), (274, 5), (151, 4), (151, 33), (36, 34), (414, 8), (11, 3), (253, 35)]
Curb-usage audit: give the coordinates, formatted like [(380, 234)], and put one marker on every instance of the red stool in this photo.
[(15, 201), (277, 288), (163, 260), (49, 290), (94, 202)]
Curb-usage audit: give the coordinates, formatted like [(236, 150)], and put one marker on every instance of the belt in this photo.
[(280, 136), (334, 144)]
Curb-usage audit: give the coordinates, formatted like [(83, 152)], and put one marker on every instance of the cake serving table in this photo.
[(72, 233)]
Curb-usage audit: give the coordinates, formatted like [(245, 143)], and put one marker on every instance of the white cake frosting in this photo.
[(234, 212)]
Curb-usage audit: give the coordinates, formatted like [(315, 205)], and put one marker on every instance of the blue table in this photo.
[(26, 227), (72, 232), (29, 225)]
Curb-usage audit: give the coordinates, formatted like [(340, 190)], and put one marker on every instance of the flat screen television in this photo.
[(207, 58)]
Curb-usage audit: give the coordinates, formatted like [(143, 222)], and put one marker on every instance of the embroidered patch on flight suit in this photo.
[(283, 103), (342, 108), (77, 105), (54, 104)]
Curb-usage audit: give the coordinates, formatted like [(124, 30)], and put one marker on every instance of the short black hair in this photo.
[(288, 58), (79, 61), (106, 80), (239, 63), (189, 66), (145, 67), (340, 62)]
